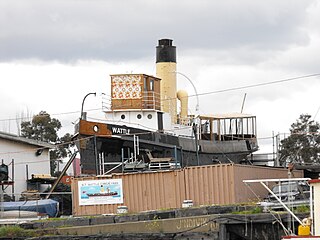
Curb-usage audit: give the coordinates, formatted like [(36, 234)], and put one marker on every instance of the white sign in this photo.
[(106, 191)]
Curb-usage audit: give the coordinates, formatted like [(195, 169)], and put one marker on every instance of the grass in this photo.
[(15, 231), (302, 209), (254, 210)]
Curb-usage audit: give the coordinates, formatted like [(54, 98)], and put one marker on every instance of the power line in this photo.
[(316, 113), (249, 86), (45, 115), (55, 146), (260, 84), (196, 95)]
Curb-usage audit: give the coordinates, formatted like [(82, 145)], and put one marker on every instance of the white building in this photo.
[(24, 157)]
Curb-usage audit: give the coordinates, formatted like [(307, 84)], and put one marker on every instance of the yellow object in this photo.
[(182, 95), (304, 230), (41, 176), (168, 88)]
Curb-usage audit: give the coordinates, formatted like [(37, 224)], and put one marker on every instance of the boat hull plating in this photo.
[(113, 143)]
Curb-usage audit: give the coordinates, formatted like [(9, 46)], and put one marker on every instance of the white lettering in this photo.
[(116, 130)]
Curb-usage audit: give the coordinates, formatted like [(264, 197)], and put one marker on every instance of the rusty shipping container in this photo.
[(204, 185)]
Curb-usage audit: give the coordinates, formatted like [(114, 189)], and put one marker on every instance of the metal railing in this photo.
[(151, 100)]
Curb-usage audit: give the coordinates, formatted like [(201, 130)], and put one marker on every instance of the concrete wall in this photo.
[(24, 158), (205, 185)]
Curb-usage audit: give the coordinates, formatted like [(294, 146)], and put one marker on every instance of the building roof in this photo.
[(16, 138)]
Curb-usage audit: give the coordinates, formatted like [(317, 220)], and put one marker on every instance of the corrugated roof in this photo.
[(17, 138)]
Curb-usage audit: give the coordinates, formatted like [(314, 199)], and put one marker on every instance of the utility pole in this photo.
[(277, 149)]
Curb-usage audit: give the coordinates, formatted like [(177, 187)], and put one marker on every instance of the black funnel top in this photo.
[(165, 51)]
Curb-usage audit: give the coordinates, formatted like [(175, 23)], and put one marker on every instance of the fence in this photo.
[(204, 185)]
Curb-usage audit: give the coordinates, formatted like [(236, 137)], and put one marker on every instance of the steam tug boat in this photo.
[(142, 129)]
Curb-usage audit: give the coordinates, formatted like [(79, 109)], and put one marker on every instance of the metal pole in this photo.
[(311, 210), (81, 116), (244, 99), (1, 197), (277, 150), (273, 151), (13, 183), (27, 171), (194, 87), (138, 146), (100, 164), (103, 162), (134, 148), (196, 142), (96, 154), (1, 201), (122, 158), (175, 155), (278, 199), (64, 170), (181, 157)]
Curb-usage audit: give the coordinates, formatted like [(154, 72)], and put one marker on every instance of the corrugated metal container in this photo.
[(210, 184), (205, 185), (248, 193)]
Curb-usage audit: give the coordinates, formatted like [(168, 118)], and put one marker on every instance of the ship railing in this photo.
[(185, 121), (151, 100), (147, 100), (232, 127), (227, 137), (106, 103)]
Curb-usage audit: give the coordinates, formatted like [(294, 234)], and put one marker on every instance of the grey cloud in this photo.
[(117, 30)]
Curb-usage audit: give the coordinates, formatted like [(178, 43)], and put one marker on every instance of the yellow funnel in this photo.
[(166, 70)]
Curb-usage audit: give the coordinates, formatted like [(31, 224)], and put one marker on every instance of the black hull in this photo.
[(112, 149)]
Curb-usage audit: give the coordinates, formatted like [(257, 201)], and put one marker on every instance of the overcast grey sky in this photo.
[(52, 53)]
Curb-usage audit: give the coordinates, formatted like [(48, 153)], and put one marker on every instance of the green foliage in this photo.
[(64, 143), (62, 150), (44, 128), (302, 209), (254, 210), (303, 145), (257, 210), (15, 231)]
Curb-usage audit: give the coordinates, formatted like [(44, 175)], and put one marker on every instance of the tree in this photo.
[(44, 128), (303, 144)]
